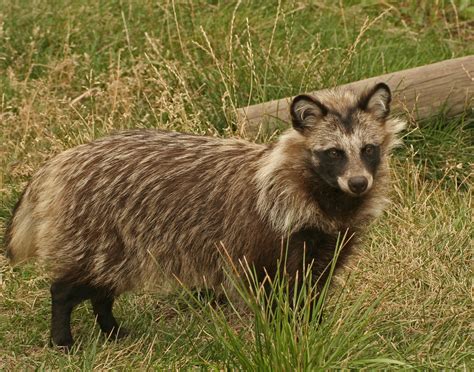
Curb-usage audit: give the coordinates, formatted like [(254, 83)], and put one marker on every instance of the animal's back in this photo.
[(140, 205)]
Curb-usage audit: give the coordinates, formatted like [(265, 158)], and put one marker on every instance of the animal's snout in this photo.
[(358, 184)]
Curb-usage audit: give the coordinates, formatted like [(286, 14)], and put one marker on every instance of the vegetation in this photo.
[(74, 71)]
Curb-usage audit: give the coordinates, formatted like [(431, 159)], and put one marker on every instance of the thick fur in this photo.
[(145, 207)]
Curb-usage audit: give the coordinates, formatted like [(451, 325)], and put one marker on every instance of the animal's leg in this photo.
[(64, 297), (102, 303)]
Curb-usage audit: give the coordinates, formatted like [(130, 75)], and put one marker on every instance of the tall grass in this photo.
[(73, 71), (279, 329)]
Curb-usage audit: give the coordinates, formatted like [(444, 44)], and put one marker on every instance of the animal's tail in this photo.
[(20, 231)]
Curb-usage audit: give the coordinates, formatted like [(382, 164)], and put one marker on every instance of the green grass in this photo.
[(74, 71)]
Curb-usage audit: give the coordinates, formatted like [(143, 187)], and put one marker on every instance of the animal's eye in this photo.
[(334, 153), (369, 149)]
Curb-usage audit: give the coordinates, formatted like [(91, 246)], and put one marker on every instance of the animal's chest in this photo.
[(306, 247)]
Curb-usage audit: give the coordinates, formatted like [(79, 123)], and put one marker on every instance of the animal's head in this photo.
[(348, 135)]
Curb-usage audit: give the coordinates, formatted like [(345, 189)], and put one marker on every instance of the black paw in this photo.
[(62, 344), (117, 333)]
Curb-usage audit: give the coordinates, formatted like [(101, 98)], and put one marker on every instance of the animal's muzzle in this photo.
[(358, 184)]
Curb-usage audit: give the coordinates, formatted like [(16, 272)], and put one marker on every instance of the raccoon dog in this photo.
[(148, 206)]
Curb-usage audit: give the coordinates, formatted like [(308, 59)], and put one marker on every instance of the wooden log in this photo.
[(418, 92)]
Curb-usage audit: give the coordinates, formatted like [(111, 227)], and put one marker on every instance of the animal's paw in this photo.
[(63, 344), (117, 333)]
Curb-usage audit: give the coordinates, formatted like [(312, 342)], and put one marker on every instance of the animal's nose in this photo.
[(358, 184)]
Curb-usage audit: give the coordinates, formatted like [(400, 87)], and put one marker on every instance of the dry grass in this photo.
[(70, 73)]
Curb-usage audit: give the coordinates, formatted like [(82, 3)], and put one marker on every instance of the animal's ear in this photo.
[(306, 111), (377, 101)]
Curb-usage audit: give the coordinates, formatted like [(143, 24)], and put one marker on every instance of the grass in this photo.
[(74, 71)]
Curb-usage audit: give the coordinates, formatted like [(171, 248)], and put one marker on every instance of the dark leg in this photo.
[(102, 304), (64, 297)]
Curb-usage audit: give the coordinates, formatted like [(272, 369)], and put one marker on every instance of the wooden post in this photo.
[(419, 92)]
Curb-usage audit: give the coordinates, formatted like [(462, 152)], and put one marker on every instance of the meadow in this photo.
[(74, 71)]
